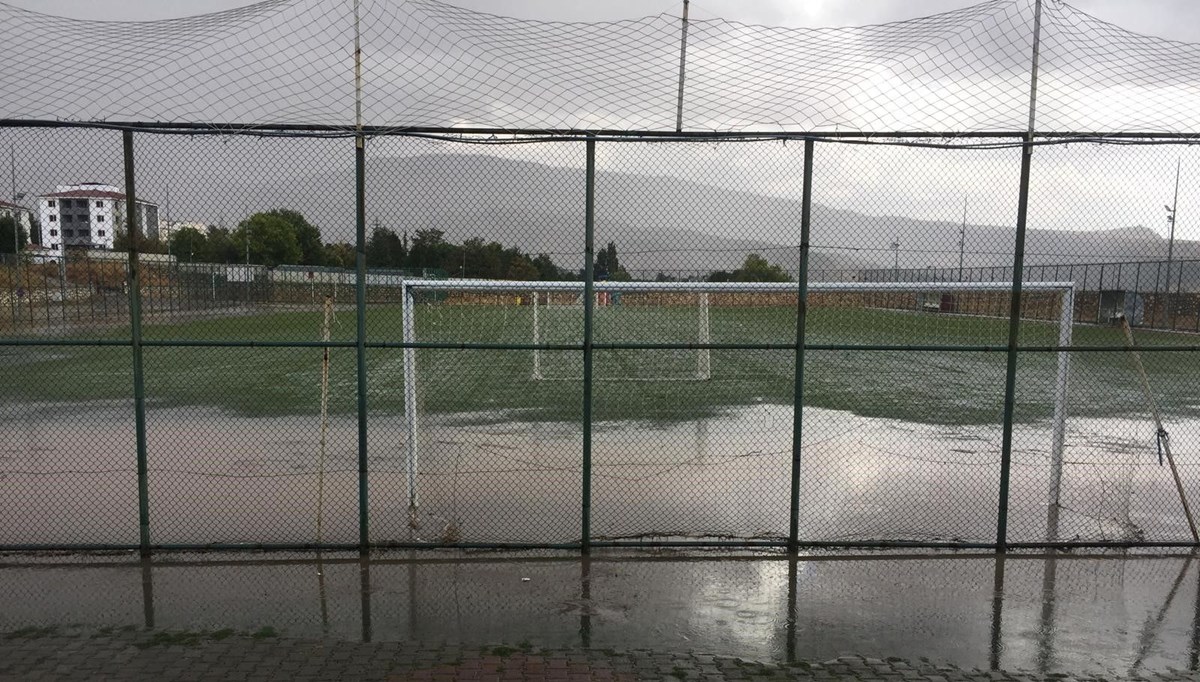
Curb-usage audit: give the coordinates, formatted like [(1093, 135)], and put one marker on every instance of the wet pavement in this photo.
[(1111, 614)]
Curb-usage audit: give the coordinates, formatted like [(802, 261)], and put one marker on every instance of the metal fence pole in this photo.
[(589, 248), (360, 296), (135, 321), (1014, 329), (801, 318), (1014, 319)]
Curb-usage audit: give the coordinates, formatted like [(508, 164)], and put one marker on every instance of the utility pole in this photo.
[(962, 240), (12, 160), (896, 258), (165, 231), (247, 238)]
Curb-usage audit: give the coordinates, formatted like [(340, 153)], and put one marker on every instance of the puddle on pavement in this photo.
[(219, 477), (216, 477), (1108, 613)]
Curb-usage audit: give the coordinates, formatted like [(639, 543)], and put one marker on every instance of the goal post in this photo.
[(547, 319)]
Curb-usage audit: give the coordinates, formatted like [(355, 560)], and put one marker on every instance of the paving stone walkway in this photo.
[(130, 654)]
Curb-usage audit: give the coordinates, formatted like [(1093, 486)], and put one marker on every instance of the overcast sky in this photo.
[(1176, 19), (1088, 193)]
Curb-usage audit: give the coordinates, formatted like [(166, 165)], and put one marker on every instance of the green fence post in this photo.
[(801, 317), (1014, 313), (589, 248), (360, 294), (1014, 329), (135, 321)]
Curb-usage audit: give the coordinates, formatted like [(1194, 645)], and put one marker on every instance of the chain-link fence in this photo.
[(571, 329)]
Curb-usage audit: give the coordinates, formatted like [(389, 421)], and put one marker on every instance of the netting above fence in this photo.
[(428, 64)]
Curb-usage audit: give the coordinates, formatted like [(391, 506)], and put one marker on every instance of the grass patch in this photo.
[(503, 651), (264, 632), (929, 387)]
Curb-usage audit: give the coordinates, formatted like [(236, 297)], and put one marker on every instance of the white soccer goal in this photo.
[(667, 330), (679, 317)]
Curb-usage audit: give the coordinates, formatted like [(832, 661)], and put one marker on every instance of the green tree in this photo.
[(8, 227), (756, 269), (385, 249), (189, 245), (521, 268), (340, 255), (272, 240), (547, 270), (120, 239), (308, 236), (220, 247), (608, 265), (430, 249)]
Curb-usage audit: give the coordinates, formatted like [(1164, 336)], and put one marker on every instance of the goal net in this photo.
[(737, 341), (676, 318)]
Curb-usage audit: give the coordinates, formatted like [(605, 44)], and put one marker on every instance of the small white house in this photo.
[(22, 215), (168, 228), (87, 216)]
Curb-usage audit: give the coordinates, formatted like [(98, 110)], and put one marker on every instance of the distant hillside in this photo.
[(659, 223)]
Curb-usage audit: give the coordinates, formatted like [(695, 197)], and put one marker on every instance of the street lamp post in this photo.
[(896, 258), (1171, 241)]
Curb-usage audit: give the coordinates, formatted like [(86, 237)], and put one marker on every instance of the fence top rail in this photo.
[(728, 287)]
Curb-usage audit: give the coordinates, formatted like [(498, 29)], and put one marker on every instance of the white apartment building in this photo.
[(87, 215)]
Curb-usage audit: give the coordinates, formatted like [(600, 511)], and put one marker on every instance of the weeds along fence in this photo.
[(798, 308)]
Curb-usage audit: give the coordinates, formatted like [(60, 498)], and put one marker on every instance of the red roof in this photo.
[(85, 194), (10, 206)]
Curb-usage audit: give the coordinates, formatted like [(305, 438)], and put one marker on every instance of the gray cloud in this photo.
[(1174, 19)]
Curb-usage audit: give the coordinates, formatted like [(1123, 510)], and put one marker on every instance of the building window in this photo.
[(100, 232), (67, 217), (53, 218), (99, 204), (54, 246), (53, 233), (99, 218), (68, 233), (50, 203)]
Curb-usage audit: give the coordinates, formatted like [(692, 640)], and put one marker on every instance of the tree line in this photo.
[(286, 237)]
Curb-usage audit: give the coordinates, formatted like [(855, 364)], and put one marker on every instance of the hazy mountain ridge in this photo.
[(664, 223)]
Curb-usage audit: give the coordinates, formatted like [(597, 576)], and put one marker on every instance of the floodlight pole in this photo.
[(1171, 216)]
